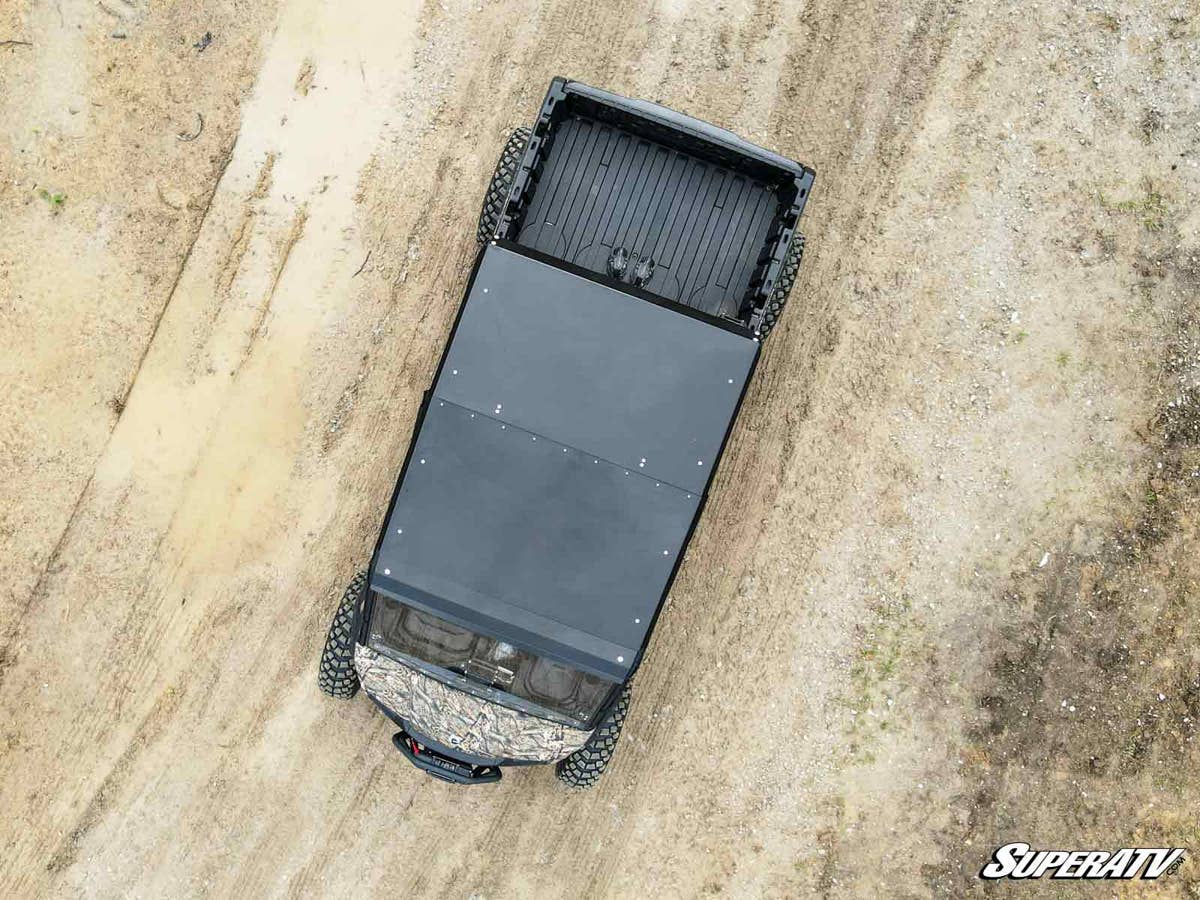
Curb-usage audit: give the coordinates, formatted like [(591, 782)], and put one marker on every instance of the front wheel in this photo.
[(584, 767), (336, 675)]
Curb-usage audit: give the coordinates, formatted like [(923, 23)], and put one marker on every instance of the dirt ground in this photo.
[(945, 594)]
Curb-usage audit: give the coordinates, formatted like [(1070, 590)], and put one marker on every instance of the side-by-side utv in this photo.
[(631, 261)]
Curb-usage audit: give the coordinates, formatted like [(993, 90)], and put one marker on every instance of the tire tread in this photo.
[(501, 183), (583, 768), (783, 287), (336, 675)]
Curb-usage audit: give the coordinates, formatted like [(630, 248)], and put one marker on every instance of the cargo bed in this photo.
[(713, 214)]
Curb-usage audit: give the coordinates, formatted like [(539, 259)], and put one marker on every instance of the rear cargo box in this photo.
[(715, 214)]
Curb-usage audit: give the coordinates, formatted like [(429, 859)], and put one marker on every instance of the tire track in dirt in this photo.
[(134, 639), (54, 559), (239, 241), (295, 232), (147, 732), (798, 369), (85, 144), (132, 643)]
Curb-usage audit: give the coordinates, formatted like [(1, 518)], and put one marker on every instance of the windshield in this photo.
[(551, 685)]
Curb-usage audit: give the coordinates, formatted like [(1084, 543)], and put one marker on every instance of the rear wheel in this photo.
[(502, 179), (783, 287), (336, 675), (584, 767)]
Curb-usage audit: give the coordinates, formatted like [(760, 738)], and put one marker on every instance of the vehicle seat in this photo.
[(433, 639), (549, 683)]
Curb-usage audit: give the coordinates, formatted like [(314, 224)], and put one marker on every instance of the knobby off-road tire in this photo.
[(783, 287), (584, 767), (336, 675), (502, 179)]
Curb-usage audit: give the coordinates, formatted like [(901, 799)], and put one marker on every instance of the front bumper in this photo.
[(460, 722), (443, 765)]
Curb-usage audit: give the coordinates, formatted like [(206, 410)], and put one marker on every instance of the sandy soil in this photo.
[(946, 591)]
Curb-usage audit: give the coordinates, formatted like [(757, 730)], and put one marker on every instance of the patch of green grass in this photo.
[(1150, 208), (885, 648), (56, 199), (1062, 359), (1020, 336)]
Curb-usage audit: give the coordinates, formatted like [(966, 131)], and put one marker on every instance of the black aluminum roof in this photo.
[(559, 466)]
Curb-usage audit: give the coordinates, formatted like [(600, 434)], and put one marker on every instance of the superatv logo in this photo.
[(1019, 860)]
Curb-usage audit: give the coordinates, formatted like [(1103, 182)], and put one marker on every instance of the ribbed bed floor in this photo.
[(603, 188)]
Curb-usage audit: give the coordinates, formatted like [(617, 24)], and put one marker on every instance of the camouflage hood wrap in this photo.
[(459, 720)]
